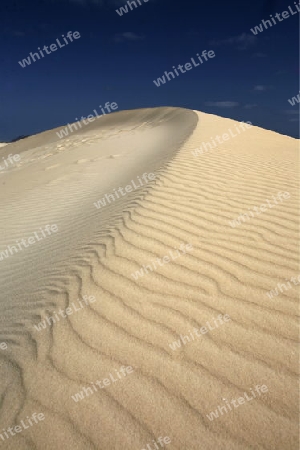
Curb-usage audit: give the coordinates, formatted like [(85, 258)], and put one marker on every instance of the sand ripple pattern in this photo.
[(133, 321)]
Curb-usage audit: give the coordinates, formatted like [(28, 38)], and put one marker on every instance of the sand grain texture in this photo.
[(134, 321)]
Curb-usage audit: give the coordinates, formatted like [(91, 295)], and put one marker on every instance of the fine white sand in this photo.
[(133, 321)]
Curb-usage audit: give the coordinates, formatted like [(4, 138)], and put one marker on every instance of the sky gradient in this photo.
[(117, 58)]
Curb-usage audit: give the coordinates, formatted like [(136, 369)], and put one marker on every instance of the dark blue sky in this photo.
[(117, 58)]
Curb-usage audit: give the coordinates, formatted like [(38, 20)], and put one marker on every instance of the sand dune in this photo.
[(141, 290)]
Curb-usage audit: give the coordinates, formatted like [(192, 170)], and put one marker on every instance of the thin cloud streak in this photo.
[(127, 36), (227, 104), (242, 41)]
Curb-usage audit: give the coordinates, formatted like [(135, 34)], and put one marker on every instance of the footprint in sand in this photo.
[(58, 180), (52, 167), (98, 159)]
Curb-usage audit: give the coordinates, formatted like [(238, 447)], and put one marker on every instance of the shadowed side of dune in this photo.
[(178, 117)]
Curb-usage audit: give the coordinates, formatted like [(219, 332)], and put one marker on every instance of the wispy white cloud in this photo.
[(291, 112), (87, 2), (127, 36), (98, 3), (13, 32), (18, 33), (261, 88), (227, 104), (242, 41)]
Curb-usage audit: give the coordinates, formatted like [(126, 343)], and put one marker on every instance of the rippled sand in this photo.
[(134, 320)]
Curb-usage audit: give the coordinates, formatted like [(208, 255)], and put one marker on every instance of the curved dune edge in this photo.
[(133, 322)]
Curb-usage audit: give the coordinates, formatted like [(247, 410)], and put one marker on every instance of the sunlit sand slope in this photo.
[(142, 306)]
